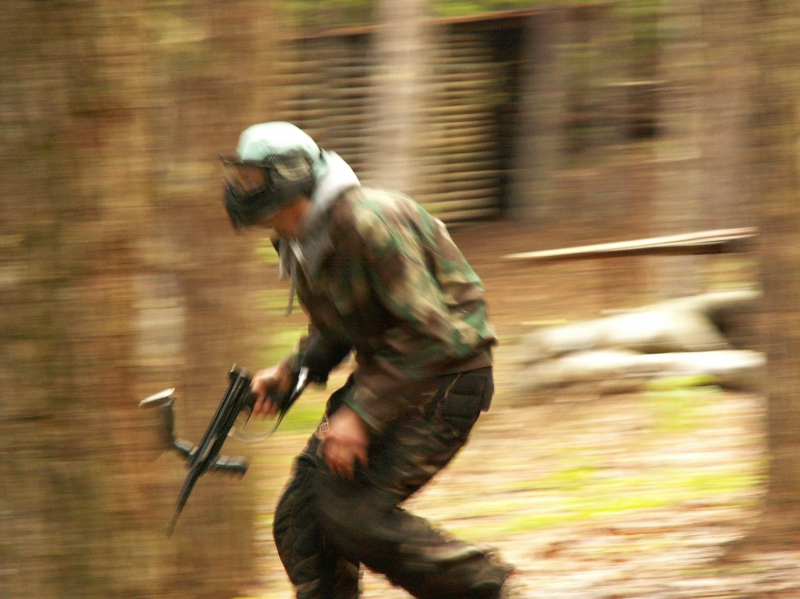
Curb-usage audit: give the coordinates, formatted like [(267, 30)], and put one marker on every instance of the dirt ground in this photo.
[(627, 496)]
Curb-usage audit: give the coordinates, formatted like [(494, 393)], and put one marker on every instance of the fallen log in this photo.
[(613, 370), (623, 352)]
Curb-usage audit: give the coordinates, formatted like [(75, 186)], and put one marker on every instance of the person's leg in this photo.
[(314, 567), (362, 518)]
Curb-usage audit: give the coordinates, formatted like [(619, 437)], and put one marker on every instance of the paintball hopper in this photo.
[(160, 404), (159, 408)]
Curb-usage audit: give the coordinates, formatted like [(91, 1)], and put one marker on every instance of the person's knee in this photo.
[(353, 518), (294, 509)]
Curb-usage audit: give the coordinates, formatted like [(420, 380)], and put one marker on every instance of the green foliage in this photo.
[(282, 332), (330, 13), (457, 8), (322, 13), (265, 251)]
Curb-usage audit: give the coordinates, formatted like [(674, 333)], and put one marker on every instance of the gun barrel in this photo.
[(194, 475), (206, 455)]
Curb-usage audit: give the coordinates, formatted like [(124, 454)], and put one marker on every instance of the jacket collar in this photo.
[(313, 244)]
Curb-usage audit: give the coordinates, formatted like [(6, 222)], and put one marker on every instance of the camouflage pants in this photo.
[(326, 526)]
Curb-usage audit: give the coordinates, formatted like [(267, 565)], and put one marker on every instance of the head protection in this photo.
[(274, 164)]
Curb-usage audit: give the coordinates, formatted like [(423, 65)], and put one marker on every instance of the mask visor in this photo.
[(248, 196), (244, 178)]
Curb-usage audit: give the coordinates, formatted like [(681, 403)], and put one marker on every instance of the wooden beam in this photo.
[(493, 19), (703, 242)]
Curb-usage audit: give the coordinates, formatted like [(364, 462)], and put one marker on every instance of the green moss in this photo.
[(677, 383), (596, 498), (677, 407), (572, 477)]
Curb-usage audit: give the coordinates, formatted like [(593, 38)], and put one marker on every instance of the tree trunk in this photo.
[(703, 163), (541, 123), (778, 195), (120, 276), (681, 192), (401, 47)]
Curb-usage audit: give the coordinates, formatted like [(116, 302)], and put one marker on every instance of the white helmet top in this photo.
[(279, 138)]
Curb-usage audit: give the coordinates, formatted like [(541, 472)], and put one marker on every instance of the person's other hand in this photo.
[(267, 382), (345, 441)]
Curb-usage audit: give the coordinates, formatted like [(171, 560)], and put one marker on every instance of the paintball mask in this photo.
[(255, 191), (275, 163)]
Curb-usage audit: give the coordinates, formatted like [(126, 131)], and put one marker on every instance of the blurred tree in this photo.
[(120, 276), (681, 183), (401, 48), (706, 73), (777, 193)]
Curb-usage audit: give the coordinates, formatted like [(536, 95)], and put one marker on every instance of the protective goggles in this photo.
[(257, 190)]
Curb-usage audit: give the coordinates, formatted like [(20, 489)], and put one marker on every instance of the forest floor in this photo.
[(619, 496)]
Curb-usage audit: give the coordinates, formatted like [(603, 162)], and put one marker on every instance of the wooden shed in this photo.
[(479, 151)]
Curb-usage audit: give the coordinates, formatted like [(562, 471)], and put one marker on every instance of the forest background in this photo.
[(120, 276)]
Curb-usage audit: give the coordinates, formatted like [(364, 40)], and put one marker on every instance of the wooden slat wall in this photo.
[(460, 167), (330, 95)]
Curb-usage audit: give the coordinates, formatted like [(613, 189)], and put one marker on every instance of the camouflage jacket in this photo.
[(388, 283)]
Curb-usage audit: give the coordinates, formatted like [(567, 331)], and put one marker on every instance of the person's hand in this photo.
[(345, 441), (267, 382)]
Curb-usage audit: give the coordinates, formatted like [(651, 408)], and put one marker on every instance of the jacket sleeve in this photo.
[(320, 353)]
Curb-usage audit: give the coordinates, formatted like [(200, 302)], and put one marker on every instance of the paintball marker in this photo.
[(206, 456)]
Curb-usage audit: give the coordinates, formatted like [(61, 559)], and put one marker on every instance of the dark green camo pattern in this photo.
[(397, 289)]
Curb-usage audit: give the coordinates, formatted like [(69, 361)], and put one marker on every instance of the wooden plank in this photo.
[(441, 207), (444, 191), (515, 17), (468, 215), (702, 242), (449, 177)]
